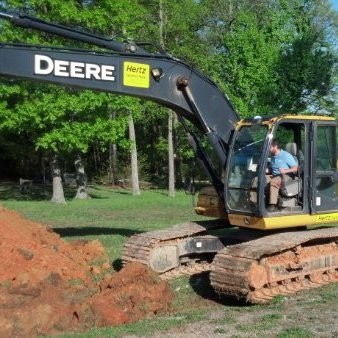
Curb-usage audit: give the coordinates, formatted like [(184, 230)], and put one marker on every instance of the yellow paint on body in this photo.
[(281, 222)]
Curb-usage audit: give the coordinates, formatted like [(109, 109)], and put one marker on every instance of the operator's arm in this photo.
[(292, 170)]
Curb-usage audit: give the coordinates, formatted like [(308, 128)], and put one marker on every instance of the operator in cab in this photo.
[(282, 168)]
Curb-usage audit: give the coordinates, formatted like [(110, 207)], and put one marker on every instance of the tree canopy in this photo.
[(269, 57)]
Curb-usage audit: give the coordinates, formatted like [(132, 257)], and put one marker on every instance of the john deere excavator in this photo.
[(251, 253)]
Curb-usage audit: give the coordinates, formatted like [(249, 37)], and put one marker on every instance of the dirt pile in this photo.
[(48, 286)]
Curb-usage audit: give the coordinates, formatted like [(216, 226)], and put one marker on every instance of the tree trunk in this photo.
[(171, 165), (112, 155), (134, 168), (171, 160), (58, 194), (111, 178), (161, 23), (114, 161), (95, 157), (178, 164), (81, 179), (43, 170)]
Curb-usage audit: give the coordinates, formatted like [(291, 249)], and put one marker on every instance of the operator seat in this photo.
[(291, 148), (290, 191)]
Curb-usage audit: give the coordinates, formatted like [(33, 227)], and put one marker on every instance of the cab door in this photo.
[(324, 167)]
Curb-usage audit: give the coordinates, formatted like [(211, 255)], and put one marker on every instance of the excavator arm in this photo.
[(126, 68)]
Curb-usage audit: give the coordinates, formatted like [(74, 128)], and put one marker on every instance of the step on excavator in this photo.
[(253, 253)]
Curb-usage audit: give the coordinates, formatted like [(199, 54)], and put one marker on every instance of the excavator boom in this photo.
[(26, 21), (129, 70), (157, 78)]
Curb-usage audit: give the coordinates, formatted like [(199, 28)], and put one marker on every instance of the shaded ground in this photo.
[(307, 314), (48, 286)]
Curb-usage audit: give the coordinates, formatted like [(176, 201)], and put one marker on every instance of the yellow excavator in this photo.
[(252, 253)]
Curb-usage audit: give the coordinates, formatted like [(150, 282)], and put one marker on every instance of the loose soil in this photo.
[(49, 286)]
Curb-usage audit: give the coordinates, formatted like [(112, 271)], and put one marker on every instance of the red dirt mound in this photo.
[(47, 286)]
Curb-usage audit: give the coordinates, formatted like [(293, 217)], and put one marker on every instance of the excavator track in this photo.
[(279, 264), (184, 249), (176, 251)]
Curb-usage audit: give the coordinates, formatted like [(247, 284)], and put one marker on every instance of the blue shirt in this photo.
[(283, 160)]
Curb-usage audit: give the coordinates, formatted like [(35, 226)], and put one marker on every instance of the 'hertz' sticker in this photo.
[(136, 75), (327, 218)]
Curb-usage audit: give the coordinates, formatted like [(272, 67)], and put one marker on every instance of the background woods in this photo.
[(270, 57)]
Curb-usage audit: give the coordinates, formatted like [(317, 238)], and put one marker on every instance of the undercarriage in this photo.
[(250, 265)]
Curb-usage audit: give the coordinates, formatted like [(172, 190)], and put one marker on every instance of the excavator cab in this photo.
[(309, 198)]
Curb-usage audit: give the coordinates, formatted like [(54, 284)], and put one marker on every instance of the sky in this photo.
[(335, 4)]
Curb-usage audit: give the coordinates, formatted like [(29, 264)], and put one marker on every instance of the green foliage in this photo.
[(270, 57), (61, 119), (295, 333), (273, 56), (251, 55), (307, 63)]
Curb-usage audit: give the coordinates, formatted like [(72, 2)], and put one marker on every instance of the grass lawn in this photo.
[(111, 216)]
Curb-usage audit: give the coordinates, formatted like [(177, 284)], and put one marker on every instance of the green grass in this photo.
[(144, 327), (110, 216), (295, 333)]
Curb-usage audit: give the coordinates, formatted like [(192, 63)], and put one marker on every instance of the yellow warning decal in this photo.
[(327, 217), (136, 74)]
